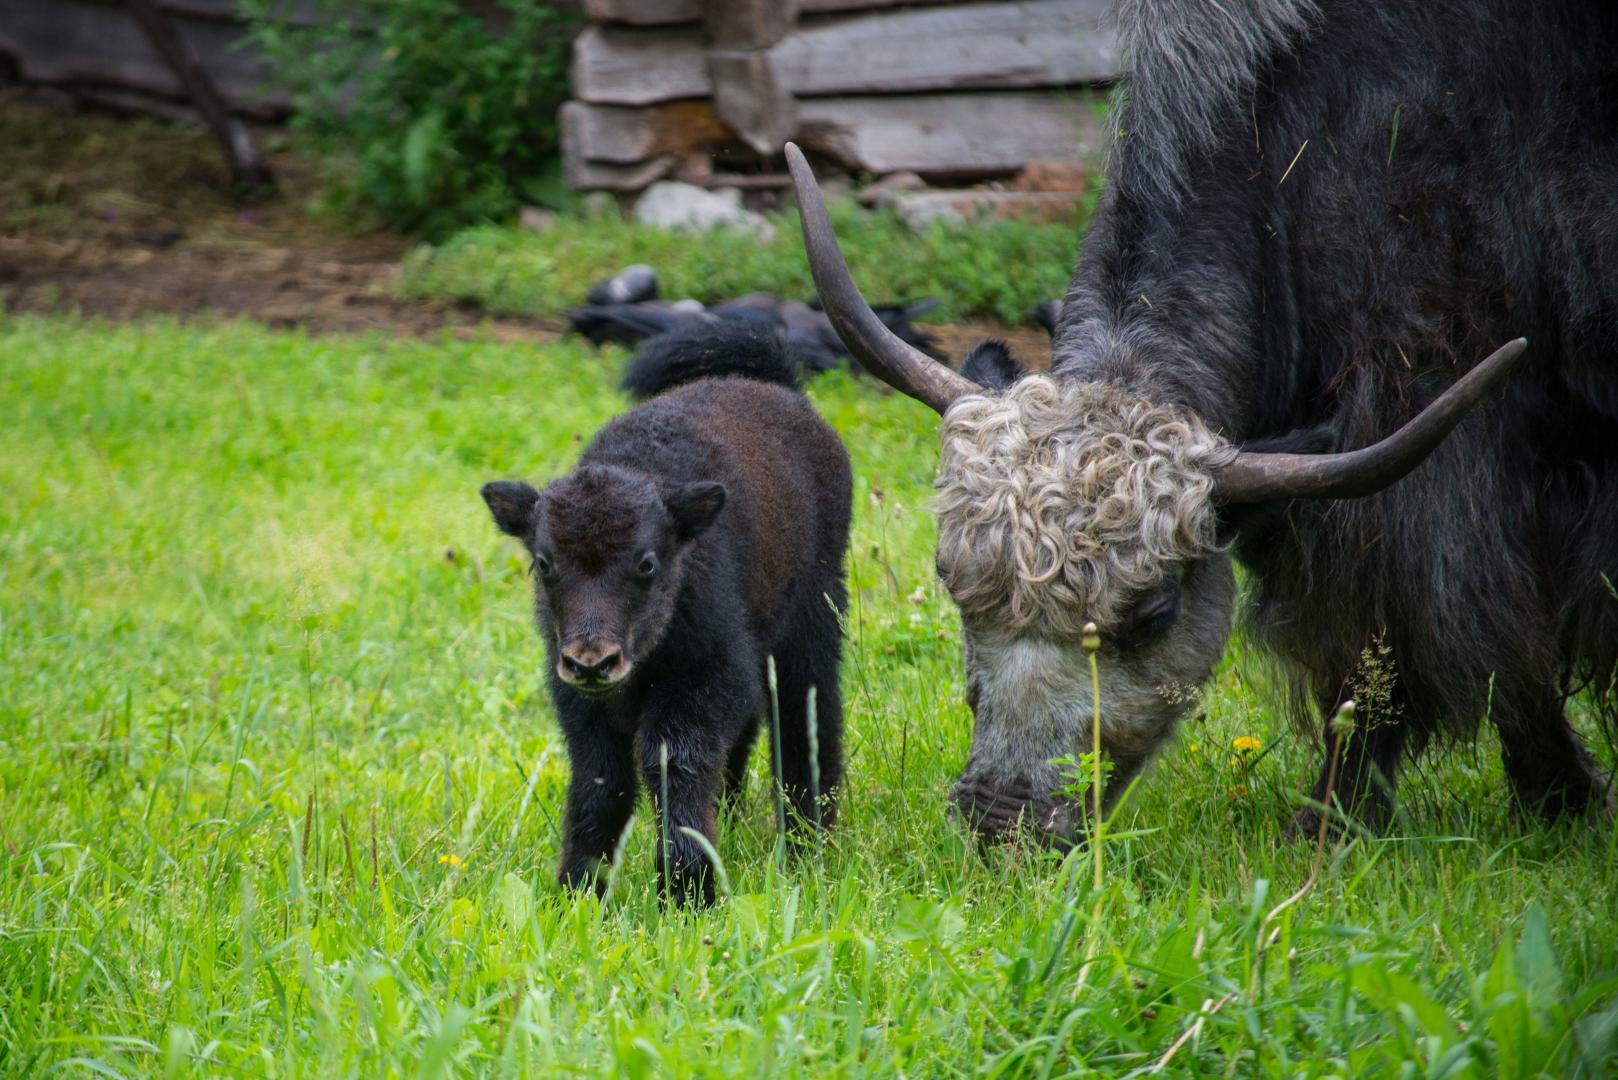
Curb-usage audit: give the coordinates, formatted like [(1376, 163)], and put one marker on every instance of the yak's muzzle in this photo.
[(592, 665), (997, 808)]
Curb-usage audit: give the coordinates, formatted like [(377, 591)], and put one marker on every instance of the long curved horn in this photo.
[(1257, 477), (908, 370)]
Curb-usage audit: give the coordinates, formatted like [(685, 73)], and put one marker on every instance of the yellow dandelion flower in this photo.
[(1246, 744), (1194, 748), (449, 860)]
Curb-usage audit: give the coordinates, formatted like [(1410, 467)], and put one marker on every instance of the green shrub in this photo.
[(997, 269), (433, 113)]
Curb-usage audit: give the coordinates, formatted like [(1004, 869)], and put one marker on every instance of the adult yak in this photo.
[(1319, 214)]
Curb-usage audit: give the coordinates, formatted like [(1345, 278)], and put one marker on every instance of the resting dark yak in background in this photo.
[(702, 532), (1317, 217)]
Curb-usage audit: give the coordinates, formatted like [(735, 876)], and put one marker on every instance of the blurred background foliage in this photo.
[(430, 114)]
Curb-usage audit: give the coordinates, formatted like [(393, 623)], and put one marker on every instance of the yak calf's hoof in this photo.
[(587, 876), (689, 887)]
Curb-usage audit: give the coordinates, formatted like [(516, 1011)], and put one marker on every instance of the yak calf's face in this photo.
[(609, 556), (1061, 504)]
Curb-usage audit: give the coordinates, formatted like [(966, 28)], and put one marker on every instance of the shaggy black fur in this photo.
[(1387, 193), (703, 532), (705, 351)]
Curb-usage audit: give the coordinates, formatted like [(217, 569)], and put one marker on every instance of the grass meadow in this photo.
[(280, 788)]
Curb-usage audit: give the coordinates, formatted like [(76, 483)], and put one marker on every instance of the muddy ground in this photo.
[(119, 217)]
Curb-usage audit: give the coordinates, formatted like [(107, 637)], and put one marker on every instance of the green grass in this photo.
[(998, 269), (280, 790)]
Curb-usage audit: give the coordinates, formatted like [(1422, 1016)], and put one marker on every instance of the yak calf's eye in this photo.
[(648, 566), (1153, 614), (542, 569)]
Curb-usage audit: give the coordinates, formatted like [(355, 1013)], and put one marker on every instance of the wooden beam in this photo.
[(954, 134), (583, 174), (749, 97), (966, 134), (1035, 43), (667, 12), (248, 168), (644, 12), (616, 66), (615, 134), (748, 24), (76, 43)]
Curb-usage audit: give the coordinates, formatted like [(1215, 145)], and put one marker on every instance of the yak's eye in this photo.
[(542, 569), (648, 566), (1153, 614)]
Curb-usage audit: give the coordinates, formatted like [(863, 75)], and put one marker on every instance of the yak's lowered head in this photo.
[(609, 557), (1063, 502)]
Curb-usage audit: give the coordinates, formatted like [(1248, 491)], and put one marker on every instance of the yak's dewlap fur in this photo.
[(1060, 502), (703, 533), (1318, 215)]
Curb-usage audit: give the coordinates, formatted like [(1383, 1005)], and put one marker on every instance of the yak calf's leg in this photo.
[(810, 762), (692, 776), (600, 798), (1551, 771), (736, 767)]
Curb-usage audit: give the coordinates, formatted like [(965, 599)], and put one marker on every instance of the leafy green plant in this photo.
[(997, 268), (434, 114)]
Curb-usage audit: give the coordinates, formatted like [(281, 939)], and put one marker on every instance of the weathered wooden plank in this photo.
[(300, 13), (748, 96), (247, 166), (979, 133), (666, 12), (618, 66), (816, 7), (582, 174), (953, 134), (74, 43), (748, 24), (617, 134), (644, 12), (1035, 43), (1002, 45)]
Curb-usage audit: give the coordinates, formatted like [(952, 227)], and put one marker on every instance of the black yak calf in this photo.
[(703, 532)]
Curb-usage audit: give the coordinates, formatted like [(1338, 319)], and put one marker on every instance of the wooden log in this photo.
[(615, 134), (582, 174), (246, 165), (749, 97), (748, 24), (644, 12), (1037, 43), (966, 134), (615, 66), (79, 44), (667, 12), (954, 134)]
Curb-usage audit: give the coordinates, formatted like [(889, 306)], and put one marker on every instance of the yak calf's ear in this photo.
[(512, 504), (695, 506)]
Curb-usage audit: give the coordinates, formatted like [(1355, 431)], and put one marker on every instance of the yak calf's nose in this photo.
[(591, 663)]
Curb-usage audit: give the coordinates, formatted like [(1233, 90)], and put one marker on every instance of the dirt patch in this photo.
[(120, 217)]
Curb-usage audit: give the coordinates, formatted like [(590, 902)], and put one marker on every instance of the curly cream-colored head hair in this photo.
[(1059, 501)]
